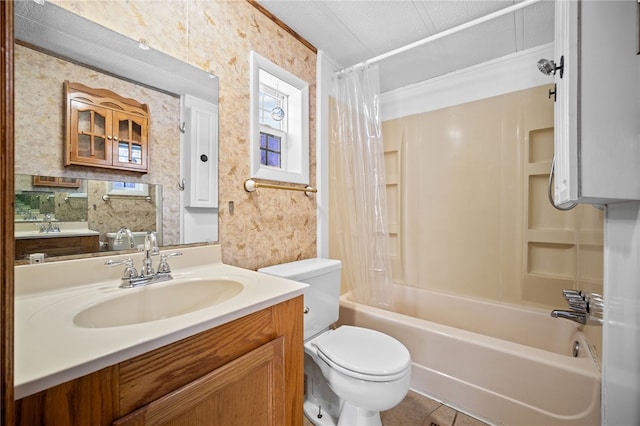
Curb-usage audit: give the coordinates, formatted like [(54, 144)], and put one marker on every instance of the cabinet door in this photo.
[(247, 391), (90, 134), (129, 141), (596, 121), (200, 158)]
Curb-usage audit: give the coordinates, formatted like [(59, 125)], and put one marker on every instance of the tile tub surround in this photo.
[(50, 349)]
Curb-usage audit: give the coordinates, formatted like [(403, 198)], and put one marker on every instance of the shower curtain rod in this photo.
[(445, 33)]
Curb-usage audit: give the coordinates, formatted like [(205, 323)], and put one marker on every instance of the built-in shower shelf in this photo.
[(539, 168), (552, 236), (561, 248), (543, 276)]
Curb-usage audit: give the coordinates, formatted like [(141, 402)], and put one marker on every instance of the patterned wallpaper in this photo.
[(268, 226)]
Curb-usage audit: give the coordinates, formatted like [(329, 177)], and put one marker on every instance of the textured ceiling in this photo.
[(352, 31)]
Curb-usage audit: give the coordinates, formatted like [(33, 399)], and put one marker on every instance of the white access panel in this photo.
[(597, 142), (200, 153)]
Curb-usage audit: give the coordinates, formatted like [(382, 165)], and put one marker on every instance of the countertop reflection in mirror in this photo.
[(94, 208)]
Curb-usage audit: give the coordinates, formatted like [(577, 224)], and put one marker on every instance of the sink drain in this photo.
[(576, 349)]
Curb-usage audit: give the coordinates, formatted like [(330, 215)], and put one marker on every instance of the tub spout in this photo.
[(579, 317)]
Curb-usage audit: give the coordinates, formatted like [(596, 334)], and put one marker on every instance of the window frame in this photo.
[(295, 147)]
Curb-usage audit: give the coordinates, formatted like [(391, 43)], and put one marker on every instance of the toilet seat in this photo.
[(363, 354)]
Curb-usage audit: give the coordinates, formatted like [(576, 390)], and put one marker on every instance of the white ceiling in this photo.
[(352, 31)]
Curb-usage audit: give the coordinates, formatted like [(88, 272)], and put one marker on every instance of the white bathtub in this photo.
[(501, 363)]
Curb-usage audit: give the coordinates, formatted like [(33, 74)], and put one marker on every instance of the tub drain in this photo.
[(576, 349)]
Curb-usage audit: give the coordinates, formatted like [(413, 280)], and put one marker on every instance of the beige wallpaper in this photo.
[(268, 226)]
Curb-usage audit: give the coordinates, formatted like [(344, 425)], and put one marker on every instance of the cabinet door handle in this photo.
[(109, 137)]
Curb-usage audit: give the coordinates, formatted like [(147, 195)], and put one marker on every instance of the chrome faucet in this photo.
[(124, 232), (150, 249), (585, 308), (579, 317), (48, 226), (131, 278)]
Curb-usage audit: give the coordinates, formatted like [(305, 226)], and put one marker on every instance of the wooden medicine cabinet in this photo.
[(104, 129)]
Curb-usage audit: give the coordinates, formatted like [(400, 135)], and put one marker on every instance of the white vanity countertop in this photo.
[(50, 349)]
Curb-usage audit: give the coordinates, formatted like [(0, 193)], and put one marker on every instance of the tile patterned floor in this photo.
[(418, 410)]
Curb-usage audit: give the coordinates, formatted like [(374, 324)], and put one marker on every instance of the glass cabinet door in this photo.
[(131, 148), (91, 133)]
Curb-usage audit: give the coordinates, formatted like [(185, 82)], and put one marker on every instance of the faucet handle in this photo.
[(163, 266), (571, 294), (578, 305), (129, 270)]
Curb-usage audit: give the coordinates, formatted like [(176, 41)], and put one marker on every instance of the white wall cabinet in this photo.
[(597, 111), (201, 153)]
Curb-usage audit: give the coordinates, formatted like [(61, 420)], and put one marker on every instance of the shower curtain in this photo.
[(361, 198)]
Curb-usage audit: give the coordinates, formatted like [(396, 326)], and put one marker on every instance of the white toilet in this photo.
[(351, 373)]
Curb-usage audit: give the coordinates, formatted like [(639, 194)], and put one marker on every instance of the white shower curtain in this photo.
[(360, 199)]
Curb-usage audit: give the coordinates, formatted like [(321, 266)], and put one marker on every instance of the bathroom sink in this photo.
[(157, 301)]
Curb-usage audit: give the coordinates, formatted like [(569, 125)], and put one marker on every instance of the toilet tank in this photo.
[(322, 297)]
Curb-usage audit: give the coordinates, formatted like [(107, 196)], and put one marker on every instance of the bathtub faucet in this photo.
[(579, 317), (586, 308)]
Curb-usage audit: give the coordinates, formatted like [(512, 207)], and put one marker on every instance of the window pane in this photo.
[(123, 152), (123, 130), (269, 121), (270, 149), (270, 98), (136, 154), (273, 159), (99, 148), (274, 143), (84, 145), (84, 121), (99, 125)]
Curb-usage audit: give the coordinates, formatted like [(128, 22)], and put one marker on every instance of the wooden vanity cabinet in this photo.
[(246, 372), (57, 246), (105, 130)]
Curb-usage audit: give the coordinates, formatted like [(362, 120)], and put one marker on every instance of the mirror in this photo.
[(50, 210), (53, 45)]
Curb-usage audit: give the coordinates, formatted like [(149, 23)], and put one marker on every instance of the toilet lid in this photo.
[(361, 351)]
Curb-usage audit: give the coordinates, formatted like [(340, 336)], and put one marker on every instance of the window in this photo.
[(279, 123), (128, 189)]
